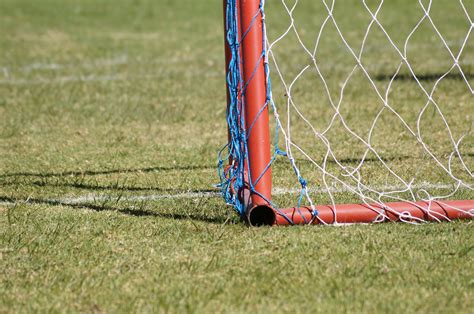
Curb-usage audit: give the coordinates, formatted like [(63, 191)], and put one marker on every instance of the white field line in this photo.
[(54, 66), (92, 64), (90, 198), (98, 63), (77, 78), (9, 79), (124, 59), (149, 197), (99, 78)]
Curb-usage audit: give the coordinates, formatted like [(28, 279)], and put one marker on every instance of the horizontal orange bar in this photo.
[(363, 213)]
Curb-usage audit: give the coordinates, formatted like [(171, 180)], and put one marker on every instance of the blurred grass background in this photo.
[(113, 100)]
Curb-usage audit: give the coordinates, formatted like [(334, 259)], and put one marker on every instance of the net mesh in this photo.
[(372, 102)]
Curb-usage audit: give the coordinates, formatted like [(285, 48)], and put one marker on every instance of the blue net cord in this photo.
[(233, 174), (232, 179)]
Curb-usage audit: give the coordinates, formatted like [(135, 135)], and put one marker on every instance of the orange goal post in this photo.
[(347, 114)]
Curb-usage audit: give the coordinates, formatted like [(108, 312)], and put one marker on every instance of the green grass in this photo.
[(114, 100)]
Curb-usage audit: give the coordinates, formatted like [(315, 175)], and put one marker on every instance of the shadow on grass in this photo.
[(366, 160), (427, 77), (125, 211), (94, 187), (164, 169), (354, 160), (102, 172)]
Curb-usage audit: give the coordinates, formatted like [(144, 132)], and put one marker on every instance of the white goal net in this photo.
[(373, 100)]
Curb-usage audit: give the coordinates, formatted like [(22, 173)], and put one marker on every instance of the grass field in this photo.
[(111, 117)]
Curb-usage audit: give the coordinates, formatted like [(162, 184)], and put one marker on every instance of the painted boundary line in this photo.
[(93, 78), (91, 198)]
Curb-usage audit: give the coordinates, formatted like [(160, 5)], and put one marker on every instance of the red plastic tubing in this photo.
[(254, 97), (392, 211)]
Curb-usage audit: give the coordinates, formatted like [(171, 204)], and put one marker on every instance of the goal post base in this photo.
[(434, 211)]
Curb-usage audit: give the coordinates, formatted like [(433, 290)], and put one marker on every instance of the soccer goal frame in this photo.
[(248, 98)]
